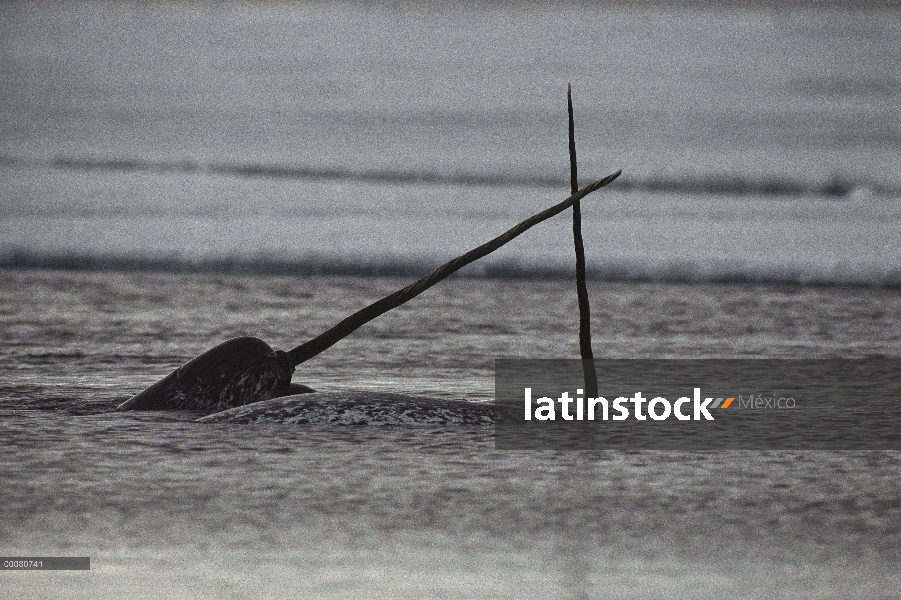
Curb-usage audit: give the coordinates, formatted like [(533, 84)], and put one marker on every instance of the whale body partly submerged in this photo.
[(357, 408)]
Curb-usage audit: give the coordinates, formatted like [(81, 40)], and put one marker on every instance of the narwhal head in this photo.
[(236, 372)]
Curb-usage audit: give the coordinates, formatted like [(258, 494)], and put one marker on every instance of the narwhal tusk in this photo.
[(244, 370), (588, 368), (327, 339)]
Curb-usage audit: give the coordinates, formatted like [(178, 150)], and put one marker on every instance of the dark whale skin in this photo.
[(234, 373)]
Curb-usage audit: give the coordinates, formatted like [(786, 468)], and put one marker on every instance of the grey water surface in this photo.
[(165, 505), (758, 143), (174, 175)]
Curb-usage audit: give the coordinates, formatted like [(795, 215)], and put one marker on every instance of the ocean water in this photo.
[(173, 176), (757, 144), (165, 505)]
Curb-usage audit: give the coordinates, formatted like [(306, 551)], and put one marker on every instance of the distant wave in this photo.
[(636, 272), (772, 186)]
